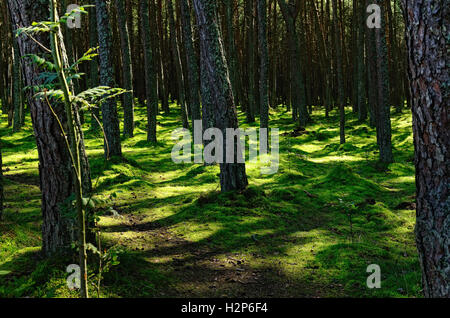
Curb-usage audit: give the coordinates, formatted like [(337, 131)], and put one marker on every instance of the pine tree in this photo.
[(55, 175), (150, 73), (128, 104), (427, 40), (177, 62), (109, 107), (383, 117), (217, 91), (263, 85), (290, 11), (192, 63)]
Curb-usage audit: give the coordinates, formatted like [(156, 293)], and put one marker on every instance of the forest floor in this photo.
[(311, 230)]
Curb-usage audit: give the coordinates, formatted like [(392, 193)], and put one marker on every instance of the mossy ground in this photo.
[(310, 230)]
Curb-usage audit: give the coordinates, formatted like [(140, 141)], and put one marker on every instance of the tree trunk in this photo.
[(339, 71), (109, 107), (17, 94), (264, 72), (93, 76), (216, 89), (427, 40), (128, 107), (383, 117), (151, 88), (177, 62), (249, 28), (361, 90), (290, 13), (54, 161), (192, 63)]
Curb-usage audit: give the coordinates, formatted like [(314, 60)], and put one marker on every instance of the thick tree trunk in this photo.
[(427, 40), (128, 105), (54, 162), (217, 92), (109, 107)]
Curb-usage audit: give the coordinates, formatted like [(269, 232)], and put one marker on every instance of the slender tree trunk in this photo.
[(17, 94), (427, 40), (339, 71), (371, 86), (164, 76), (151, 88), (128, 107), (264, 71), (177, 62), (290, 14), (192, 63), (230, 46), (109, 107), (383, 116), (93, 76), (249, 18), (361, 90), (216, 90)]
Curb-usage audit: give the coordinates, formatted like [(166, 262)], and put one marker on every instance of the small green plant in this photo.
[(56, 87), (349, 208)]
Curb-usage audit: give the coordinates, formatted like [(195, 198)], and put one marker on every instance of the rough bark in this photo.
[(264, 64), (17, 94), (109, 107), (93, 76), (151, 88), (383, 113), (216, 89), (163, 65), (177, 62), (339, 71), (427, 40), (128, 105), (250, 25), (361, 90), (54, 162), (192, 63), (230, 47)]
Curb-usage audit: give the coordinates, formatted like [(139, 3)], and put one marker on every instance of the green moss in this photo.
[(313, 227)]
